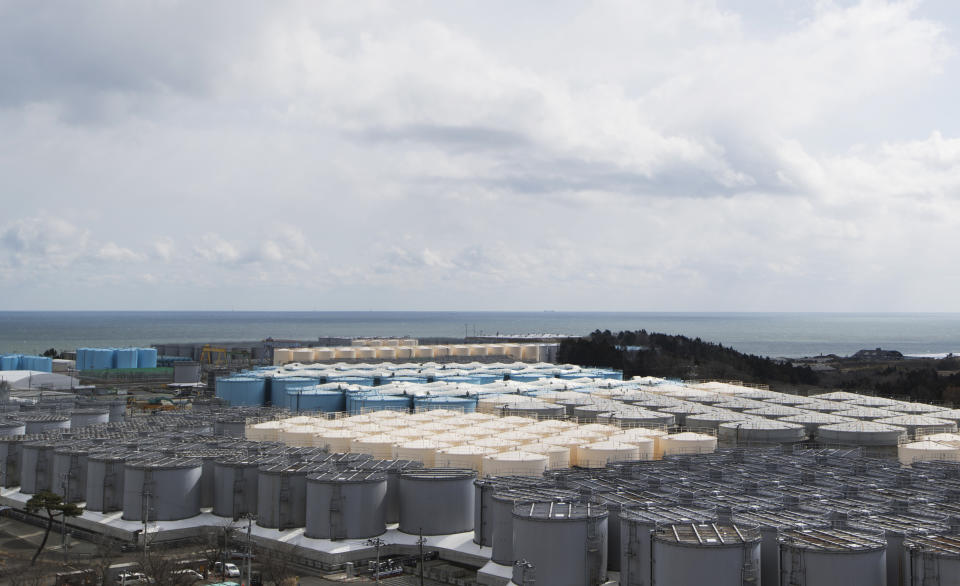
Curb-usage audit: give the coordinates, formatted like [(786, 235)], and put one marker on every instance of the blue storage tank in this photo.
[(126, 358), (314, 399), (146, 357), (103, 358), (280, 386), (527, 377), (10, 362), (39, 363), (357, 403), (465, 404), (242, 390), (363, 381)]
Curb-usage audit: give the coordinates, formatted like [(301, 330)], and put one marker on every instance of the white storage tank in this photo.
[(85, 417), (463, 456), (861, 433), (423, 450), (346, 505), (515, 463), (688, 442), (565, 542), (719, 554), (282, 356), (303, 355), (324, 354), (926, 450), (761, 432), (599, 454), (917, 425)]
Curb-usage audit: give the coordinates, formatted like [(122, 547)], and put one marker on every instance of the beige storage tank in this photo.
[(435, 427), (423, 352), (336, 440), (925, 450), (282, 356), (494, 350), (521, 437), (324, 354), (688, 442), (386, 353), (599, 454), (465, 456), (452, 438), (459, 350), (404, 352), (951, 439), (381, 447), (366, 353), (268, 431), (558, 457), (424, 451), (571, 443), (346, 353), (476, 350), (637, 433), (303, 355), (409, 342), (299, 435), (408, 433), (514, 351), (441, 351), (530, 353), (515, 463), (500, 445)]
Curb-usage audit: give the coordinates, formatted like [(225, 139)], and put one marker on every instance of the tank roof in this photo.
[(560, 511), (347, 477), (709, 534), (439, 474), (155, 463), (833, 539)]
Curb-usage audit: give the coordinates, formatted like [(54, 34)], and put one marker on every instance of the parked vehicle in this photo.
[(229, 570)]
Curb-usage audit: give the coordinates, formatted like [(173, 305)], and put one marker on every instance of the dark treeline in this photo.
[(641, 353)]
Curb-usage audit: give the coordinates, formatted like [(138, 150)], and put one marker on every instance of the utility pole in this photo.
[(420, 542), (65, 485), (249, 549), (377, 542)]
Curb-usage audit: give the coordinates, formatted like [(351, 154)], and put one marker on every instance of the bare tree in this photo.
[(216, 543), (105, 552), (276, 563)]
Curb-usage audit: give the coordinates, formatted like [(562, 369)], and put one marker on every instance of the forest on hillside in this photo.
[(642, 353)]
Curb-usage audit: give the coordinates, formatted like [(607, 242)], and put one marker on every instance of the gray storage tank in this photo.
[(346, 505), (69, 476), (393, 469), (706, 553), (10, 427), (832, 557), (11, 458), (45, 423), (566, 542), (230, 427), (104, 489), (235, 484), (933, 559), (165, 489), (282, 495), (85, 417), (501, 513), (637, 525), (437, 501), (36, 467)]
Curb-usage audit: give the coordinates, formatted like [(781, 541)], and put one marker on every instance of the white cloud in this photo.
[(616, 155)]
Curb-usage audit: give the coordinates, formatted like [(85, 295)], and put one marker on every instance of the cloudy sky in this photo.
[(613, 155)]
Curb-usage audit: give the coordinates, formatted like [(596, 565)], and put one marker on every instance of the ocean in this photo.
[(765, 334)]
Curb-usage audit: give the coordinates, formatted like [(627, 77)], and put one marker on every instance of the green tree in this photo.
[(52, 504)]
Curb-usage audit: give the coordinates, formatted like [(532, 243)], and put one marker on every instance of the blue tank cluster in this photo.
[(242, 390), (26, 362), (110, 358), (362, 402), (315, 399)]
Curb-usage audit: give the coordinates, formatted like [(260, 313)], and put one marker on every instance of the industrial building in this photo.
[(566, 479)]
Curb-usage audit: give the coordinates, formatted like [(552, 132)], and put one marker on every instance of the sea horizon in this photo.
[(775, 334)]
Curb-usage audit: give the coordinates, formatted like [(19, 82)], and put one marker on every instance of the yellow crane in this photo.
[(214, 356)]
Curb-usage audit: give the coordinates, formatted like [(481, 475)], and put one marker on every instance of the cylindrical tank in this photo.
[(85, 417), (639, 417), (69, 477), (36, 467), (235, 487), (933, 559), (761, 432), (346, 505), (918, 425), (711, 421), (242, 390), (501, 515), (45, 423), (599, 454), (437, 502), (719, 554), (637, 525), (12, 427), (813, 421), (832, 557), (927, 450), (104, 490), (860, 433), (566, 542), (230, 427), (281, 496), (515, 463), (463, 456), (165, 489), (535, 409), (688, 443), (11, 457)]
